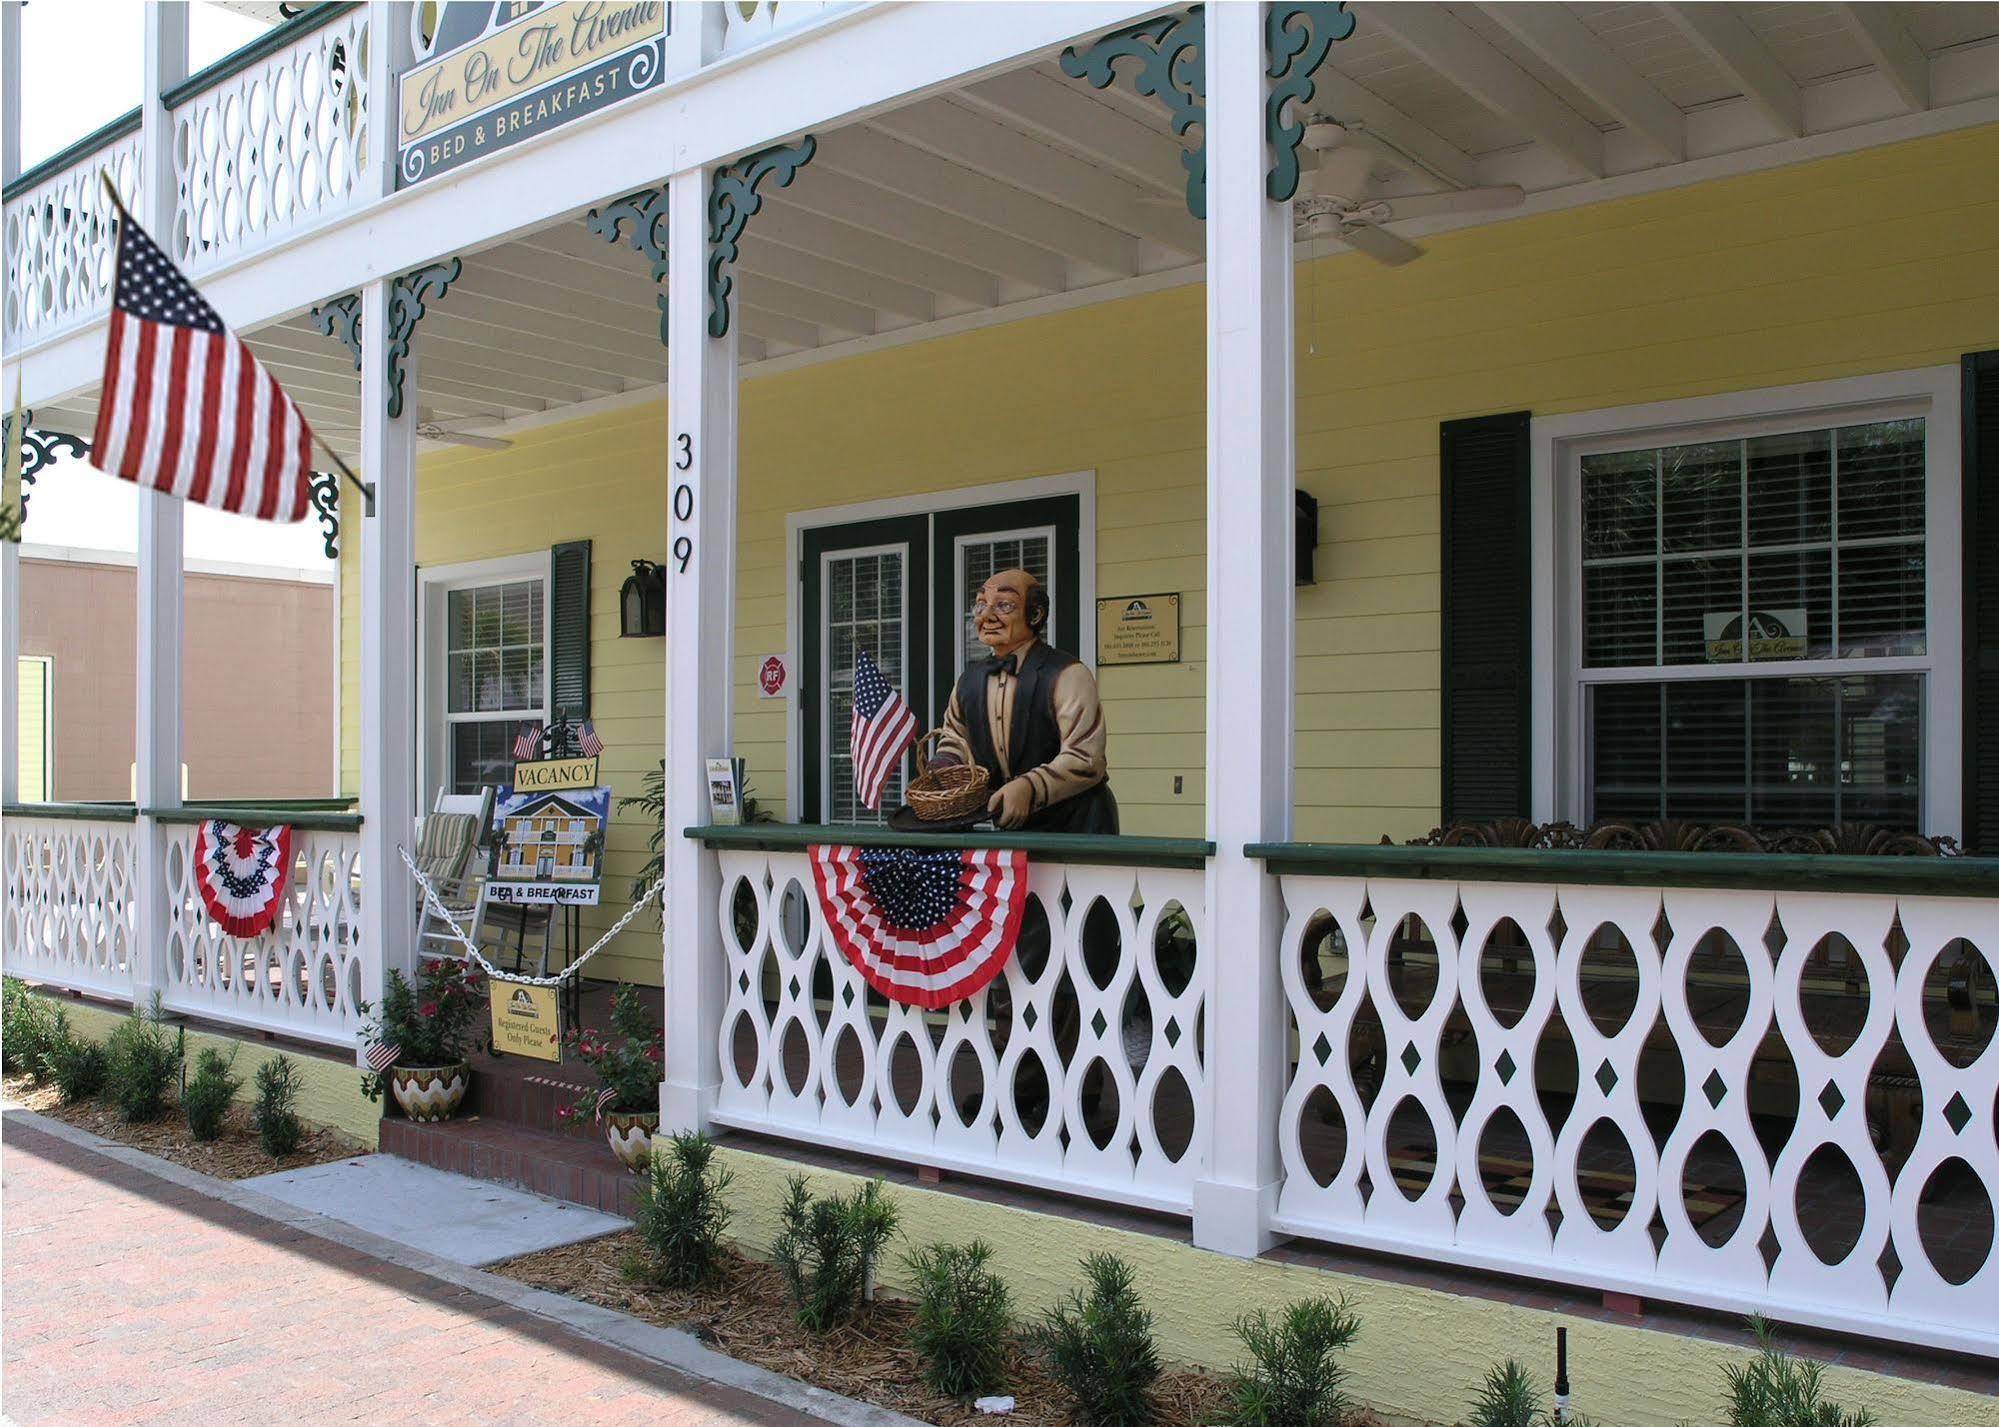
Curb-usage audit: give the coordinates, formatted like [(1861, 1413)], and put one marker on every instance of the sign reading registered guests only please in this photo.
[(526, 1020), (544, 66)]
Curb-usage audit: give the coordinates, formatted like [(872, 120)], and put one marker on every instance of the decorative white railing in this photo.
[(60, 231), (1081, 1069), (273, 137), (751, 22), (304, 977), (68, 909), (1619, 1000)]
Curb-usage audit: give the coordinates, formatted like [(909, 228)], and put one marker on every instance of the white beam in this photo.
[(1720, 34), (10, 551), (1894, 51), (1251, 469), (1336, 95), (1464, 58), (10, 96), (1570, 47), (1063, 111), (823, 274), (920, 225), (870, 252)]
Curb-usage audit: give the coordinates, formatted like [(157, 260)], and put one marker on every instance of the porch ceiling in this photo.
[(1029, 186)]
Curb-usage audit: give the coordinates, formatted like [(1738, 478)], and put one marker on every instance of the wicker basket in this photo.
[(941, 794)]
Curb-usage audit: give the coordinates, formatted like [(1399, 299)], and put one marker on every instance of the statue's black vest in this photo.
[(1035, 739)]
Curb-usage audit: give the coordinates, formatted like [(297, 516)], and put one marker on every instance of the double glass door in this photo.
[(901, 588)]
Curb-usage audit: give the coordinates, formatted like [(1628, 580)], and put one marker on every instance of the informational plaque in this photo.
[(526, 1020), (1138, 629)]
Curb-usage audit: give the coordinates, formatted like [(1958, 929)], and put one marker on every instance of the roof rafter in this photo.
[(1573, 49), (1894, 51), (1721, 35)]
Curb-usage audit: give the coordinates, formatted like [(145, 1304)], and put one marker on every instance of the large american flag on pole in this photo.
[(883, 728), (186, 408)]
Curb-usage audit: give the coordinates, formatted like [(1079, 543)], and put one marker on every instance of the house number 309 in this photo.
[(683, 511)]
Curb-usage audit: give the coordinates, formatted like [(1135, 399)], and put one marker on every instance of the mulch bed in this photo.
[(236, 1155), (748, 1316)]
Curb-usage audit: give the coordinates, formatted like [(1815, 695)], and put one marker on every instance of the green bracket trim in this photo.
[(74, 812), (1173, 69), (732, 202), (340, 318), (326, 501), (38, 452), (646, 212), (1297, 37)]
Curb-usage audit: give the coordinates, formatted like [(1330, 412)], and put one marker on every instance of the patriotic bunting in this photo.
[(241, 873), (923, 928)]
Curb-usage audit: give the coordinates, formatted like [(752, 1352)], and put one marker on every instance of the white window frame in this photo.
[(1560, 683), (1027, 532), (434, 585)]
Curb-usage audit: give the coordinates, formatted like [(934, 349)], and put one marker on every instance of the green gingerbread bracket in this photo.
[(340, 319), (645, 212), (38, 450), (325, 492), (1172, 68), (732, 201), (1297, 37)]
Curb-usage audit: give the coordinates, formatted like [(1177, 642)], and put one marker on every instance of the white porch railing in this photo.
[(60, 229), (68, 909), (1081, 1069), (1631, 977), (750, 23)]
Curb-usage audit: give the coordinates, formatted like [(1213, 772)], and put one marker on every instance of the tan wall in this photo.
[(257, 711)]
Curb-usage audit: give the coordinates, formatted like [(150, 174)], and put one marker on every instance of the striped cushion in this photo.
[(445, 845)]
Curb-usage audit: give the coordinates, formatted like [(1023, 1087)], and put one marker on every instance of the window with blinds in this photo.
[(494, 653), (1754, 630), (979, 559), (864, 610)]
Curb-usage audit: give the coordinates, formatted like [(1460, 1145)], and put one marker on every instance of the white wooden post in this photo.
[(694, 35), (157, 732), (10, 552), (700, 645), (1250, 618)]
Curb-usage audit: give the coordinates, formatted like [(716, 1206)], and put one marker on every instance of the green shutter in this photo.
[(1487, 618), (1981, 602), (569, 630)]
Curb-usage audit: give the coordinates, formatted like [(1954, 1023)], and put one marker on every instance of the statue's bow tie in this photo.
[(1008, 665)]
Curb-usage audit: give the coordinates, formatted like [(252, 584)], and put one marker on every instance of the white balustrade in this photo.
[(1081, 1069), (305, 976), (280, 142), (751, 22), (68, 909), (60, 239), (1680, 1003)]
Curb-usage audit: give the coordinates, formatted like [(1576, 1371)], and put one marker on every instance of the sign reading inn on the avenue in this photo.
[(535, 69)]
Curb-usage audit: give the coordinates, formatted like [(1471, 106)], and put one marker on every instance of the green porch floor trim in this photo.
[(74, 812), (1761, 871), (290, 814), (1041, 846)]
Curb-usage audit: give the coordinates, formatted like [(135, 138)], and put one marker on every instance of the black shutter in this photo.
[(1981, 602), (569, 630), (1487, 618)]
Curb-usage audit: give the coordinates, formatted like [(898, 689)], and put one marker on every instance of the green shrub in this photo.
[(208, 1092), (828, 1250), (964, 1319), (145, 1063), (278, 1127), (681, 1215), (1507, 1398), (1293, 1375), (1775, 1389), (78, 1066), (27, 1025), (1099, 1345)]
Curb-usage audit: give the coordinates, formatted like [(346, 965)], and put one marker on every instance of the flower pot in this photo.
[(630, 1134), (432, 1092)]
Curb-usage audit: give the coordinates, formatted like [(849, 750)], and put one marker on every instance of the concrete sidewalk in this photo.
[(140, 1292)]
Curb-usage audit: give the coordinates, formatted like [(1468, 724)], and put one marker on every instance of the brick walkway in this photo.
[(128, 1299)]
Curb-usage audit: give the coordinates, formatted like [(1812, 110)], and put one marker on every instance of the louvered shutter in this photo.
[(569, 630), (1981, 602), (1487, 618)]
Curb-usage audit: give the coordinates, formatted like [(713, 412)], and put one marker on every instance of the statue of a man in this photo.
[(1029, 716)]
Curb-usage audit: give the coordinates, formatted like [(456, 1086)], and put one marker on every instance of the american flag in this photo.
[(587, 742), (185, 407), (382, 1055), (527, 743), (883, 728)]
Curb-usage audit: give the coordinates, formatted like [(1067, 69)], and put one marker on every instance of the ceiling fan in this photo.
[(1334, 195)]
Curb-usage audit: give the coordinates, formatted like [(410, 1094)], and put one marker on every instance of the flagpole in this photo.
[(366, 488)]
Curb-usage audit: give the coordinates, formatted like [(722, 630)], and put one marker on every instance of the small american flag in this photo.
[(883, 729), (185, 408), (382, 1055), (587, 742), (527, 743)]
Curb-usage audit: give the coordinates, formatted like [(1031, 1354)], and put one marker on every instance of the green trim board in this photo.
[(1171, 51), (732, 201), (238, 60), (74, 812), (90, 143), (1762, 871), (1297, 38), (291, 816), (1041, 846)]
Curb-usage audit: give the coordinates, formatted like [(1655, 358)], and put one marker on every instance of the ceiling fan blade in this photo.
[(431, 431), (1379, 244), (1465, 200)]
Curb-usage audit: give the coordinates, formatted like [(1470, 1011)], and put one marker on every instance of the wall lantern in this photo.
[(1305, 531), (642, 602)]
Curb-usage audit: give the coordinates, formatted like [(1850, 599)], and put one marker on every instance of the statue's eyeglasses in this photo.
[(1003, 606)]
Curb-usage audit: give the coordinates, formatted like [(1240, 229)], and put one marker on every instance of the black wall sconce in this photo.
[(642, 602), (1305, 529)]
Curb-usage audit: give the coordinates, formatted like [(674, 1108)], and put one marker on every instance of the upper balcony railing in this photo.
[(59, 230), (753, 22)]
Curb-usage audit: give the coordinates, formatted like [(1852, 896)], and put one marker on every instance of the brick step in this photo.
[(574, 1168), (502, 1091)]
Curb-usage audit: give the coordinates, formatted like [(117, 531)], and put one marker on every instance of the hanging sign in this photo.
[(548, 848), (555, 775), (527, 1020), (1138, 629), (544, 66)]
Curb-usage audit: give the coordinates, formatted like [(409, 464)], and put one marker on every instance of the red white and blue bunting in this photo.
[(242, 873), (923, 928)]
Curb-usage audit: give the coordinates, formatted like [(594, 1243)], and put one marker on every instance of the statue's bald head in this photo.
[(1010, 609)]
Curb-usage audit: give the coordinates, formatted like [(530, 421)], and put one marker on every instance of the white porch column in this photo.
[(700, 649), (10, 553), (157, 731), (1250, 617)]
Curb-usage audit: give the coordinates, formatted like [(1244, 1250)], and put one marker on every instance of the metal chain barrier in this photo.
[(436, 904)]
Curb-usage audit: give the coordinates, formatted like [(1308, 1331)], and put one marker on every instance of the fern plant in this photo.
[(206, 1097), (1099, 1345), (651, 800), (828, 1249), (964, 1319), (278, 1128), (681, 1215), (1292, 1377), (1774, 1389)]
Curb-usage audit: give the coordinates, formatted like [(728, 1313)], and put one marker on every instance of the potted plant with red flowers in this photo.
[(419, 1043), (628, 1066)]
